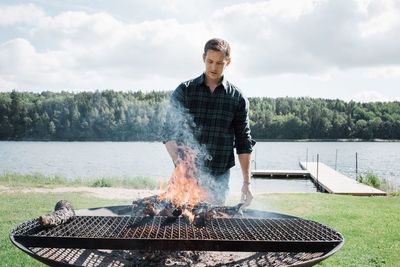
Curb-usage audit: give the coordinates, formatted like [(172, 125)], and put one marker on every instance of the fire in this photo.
[(188, 215), (183, 190)]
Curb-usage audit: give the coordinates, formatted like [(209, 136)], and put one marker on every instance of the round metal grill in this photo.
[(270, 239)]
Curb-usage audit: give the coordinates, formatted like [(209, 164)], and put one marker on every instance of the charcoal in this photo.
[(150, 210), (167, 212), (229, 211), (170, 210), (177, 212), (146, 206), (198, 215), (200, 220)]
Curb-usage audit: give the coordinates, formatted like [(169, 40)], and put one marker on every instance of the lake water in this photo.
[(119, 159)]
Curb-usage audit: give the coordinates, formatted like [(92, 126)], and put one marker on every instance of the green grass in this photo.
[(126, 182), (40, 180), (372, 179), (370, 225)]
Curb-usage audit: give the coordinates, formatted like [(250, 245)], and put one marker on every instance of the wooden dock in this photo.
[(337, 183), (292, 174)]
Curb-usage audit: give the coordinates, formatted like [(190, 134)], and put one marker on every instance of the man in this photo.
[(217, 120)]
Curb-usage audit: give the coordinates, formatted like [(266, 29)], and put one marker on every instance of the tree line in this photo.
[(137, 116)]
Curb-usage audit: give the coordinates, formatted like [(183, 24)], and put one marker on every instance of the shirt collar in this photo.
[(224, 82)]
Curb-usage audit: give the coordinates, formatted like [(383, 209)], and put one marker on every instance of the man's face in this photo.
[(215, 62)]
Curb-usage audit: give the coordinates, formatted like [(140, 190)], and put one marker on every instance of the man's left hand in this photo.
[(247, 195)]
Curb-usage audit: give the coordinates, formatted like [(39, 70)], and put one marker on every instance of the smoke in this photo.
[(181, 127)]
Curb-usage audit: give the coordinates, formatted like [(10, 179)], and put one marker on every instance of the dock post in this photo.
[(255, 159), (317, 172), (306, 157), (336, 161), (356, 166)]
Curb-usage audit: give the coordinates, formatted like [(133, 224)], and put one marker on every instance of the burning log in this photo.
[(63, 212), (198, 215), (167, 211), (230, 211), (204, 214), (145, 206), (177, 212), (154, 206), (149, 209)]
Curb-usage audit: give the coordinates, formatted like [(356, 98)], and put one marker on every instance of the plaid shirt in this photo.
[(218, 121)]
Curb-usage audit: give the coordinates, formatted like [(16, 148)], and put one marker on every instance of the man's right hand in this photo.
[(247, 195)]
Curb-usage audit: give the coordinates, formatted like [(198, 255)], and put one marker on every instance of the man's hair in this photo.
[(218, 44)]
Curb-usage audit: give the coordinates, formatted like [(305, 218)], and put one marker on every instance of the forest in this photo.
[(137, 116)]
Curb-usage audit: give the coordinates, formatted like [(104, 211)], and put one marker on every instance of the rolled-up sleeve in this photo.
[(241, 125)]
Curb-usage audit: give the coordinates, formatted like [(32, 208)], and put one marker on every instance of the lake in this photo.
[(119, 159)]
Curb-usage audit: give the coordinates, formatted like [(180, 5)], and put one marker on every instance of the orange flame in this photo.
[(189, 215), (183, 190)]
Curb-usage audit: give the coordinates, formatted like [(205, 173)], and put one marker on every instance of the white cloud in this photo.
[(282, 41), (381, 17), (318, 36), (90, 51), (22, 66), (7, 84), (16, 14), (369, 96), (384, 72), (18, 56), (281, 9)]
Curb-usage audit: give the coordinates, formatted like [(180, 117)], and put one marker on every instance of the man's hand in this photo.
[(247, 195)]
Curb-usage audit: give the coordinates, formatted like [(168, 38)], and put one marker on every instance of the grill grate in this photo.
[(163, 233)]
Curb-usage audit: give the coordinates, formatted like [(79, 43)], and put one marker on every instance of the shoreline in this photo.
[(98, 192), (109, 193)]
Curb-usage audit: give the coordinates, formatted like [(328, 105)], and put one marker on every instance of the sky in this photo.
[(335, 49)]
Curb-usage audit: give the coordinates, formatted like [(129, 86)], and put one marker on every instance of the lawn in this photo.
[(370, 225)]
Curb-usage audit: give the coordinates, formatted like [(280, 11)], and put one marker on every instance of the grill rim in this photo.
[(124, 211), (31, 237)]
